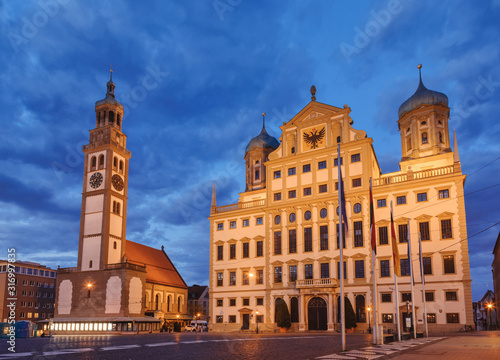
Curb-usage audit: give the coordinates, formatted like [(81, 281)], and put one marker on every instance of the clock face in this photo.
[(96, 180), (314, 137), (117, 182)]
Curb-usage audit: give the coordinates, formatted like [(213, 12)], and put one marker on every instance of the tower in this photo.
[(104, 196), (256, 154), (423, 123)]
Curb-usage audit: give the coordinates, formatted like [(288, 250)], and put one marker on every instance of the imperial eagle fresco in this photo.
[(314, 137)]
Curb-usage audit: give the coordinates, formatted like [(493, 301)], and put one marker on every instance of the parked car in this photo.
[(190, 328)]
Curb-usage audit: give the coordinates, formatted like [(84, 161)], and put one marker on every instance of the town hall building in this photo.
[(280, 241)]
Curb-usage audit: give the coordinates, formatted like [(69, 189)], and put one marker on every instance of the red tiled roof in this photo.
[(159, 268)]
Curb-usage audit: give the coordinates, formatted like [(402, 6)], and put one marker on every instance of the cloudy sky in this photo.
[(194, 78)]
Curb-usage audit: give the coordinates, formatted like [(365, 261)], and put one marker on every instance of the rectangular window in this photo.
[(246, 302), (220, 252), (336, 185), (385, 270), (308, 245), (449, 264), (292, 194), (220, 226), (356, 182), (427, 263), (257, 174), (260, 319), (452, 318), (358, 234), (277, 274), (260, 276), (387, 298), (232, 278), (359, 267), (232, 251), (338, 270), (220, 319), (355, 158), (446, 232), (429, 296), (232, 225), (277, 243), (323, 237), (424, 231), (308, 271), (277, 196), (325, 270), (451, 296), (232, 319), (259, 221), (431, 318), (401, 200), (220, 279), (336, 162), (306, 168), (293, 273), (421, 197), (260, 301), (403, 233), (260, 248), (405, 267), (383, 238), (292, 241), (381, 203), (277, 174), (444, 194), (322, 165), (307, 191), (232, 302), (323, 188), (246, 222), (406, 297), (246, 250), (291, 171), (387, 318)]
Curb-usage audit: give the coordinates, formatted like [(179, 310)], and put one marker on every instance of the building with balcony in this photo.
[(280, 240)]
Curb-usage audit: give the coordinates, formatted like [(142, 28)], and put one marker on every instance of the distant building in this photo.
[(198, 302), (35, 291), (485, 314), (496, 276), (117, 285), (280, 241)]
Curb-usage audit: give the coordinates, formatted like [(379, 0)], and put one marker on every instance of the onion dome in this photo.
[(263, 140), (422, 96)]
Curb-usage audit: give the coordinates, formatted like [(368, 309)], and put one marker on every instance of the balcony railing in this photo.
[(126, 265), (386, 180), (308, 283), (238, 206)]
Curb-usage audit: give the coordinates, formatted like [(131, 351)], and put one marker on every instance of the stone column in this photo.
[(302, 322), (330, 312)]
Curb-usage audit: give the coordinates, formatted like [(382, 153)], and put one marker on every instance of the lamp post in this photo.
[(369, 320), (488, 315), (257, 320), (407, 316)]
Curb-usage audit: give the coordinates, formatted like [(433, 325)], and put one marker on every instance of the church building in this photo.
[(280, 241), (117, 285)]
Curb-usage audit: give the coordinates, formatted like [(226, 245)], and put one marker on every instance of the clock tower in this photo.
[(104, 196)]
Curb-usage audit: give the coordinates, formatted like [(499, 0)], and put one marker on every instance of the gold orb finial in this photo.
[(313, 93), (419, 66)]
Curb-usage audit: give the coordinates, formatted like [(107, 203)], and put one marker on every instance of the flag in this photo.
[(342, 198), (395, 250), (372, 221), (420, 258)]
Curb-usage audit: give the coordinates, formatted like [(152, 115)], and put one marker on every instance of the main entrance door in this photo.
[(246, 321), (317, 314)]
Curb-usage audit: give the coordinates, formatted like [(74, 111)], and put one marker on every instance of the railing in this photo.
[(307, 283), (66, 270), (410, 175), (238, 206), (126, 265)]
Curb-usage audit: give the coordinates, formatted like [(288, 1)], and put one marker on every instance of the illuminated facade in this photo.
[(280, 240)]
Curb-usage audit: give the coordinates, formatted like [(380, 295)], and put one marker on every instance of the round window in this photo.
[(307, 215), (292, 217), (357, 208), (323, 213), (277, 219)]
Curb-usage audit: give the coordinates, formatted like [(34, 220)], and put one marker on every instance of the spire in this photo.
[(313, 93), (456, 155), (110, 85), (214, 201), (264, 122)]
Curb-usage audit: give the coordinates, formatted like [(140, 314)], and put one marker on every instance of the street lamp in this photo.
[(369, 320), (488, 315), (257, 320)]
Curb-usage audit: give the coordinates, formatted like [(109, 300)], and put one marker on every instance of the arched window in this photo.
[(168, 303), (294, 310), (360, 308), (121, 166), (111, 117), (440, 137), (424, 138), (115, 163), (293, 150), (179, 304), (157, 299), (118, 210), (257, 174), (118, 119), (114, 245), (98, 115), (93, 163), (277, 304), (101, 161), (338, 139), (114, 207), (90, 264)]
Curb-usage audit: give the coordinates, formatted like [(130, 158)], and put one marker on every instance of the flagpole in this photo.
[(341, 245), (423, 281), (396, 292), (411, 284), (373, 244)]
